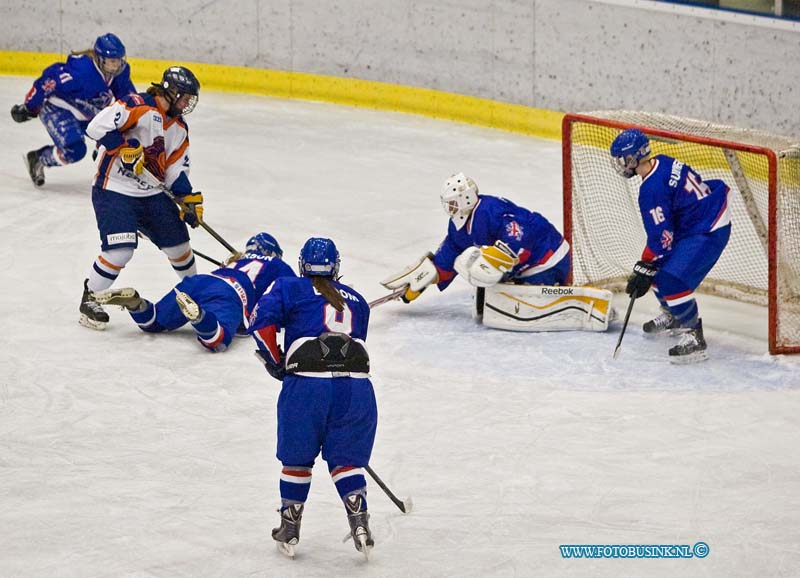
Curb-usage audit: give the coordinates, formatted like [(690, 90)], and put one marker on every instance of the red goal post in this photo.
[(761, 263)]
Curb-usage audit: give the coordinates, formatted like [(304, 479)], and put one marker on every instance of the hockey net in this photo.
[(761, 263)]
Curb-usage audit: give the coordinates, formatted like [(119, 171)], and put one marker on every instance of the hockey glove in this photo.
[(276, 370), (639, 283), (131, 155), (192, 209), (20, 113)]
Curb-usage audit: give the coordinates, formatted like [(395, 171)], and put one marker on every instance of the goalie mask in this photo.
[(265, 245), (629, 149), (319, 257), (109, 55), (459, 197)]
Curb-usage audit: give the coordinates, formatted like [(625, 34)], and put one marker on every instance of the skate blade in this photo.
[(91, 324), (108, 297), (689, 359), (362, 546), (285, 549), (187, 305)]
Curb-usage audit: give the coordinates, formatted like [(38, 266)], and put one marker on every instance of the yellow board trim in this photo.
[(349, 91)]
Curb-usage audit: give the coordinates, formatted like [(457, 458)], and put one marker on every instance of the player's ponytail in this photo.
[(326, 288)]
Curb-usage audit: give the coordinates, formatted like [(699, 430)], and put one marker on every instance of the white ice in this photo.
[(128, 455)]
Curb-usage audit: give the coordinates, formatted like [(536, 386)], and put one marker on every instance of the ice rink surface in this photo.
[(126, 455)]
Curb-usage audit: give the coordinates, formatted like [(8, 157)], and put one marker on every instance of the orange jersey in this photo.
[(165, 141)]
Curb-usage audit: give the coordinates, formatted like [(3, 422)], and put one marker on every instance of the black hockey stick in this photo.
[(195, 251), (159, 185), (624, 325), (207, 258), (396, 294), (404, 507)]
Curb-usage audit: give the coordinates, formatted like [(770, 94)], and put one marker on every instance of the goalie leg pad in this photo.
[(546, 308)]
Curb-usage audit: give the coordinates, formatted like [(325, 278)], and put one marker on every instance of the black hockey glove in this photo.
[(276, 370), (639, 283), (20, 113)]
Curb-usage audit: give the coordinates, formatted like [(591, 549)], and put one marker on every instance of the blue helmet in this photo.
[(109, 46), (265, 245), (319, 256), (629, 148)]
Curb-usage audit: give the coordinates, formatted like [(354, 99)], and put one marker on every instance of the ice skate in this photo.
[(691, 348), (188, 307), (93, 315), (358, 517), (127, 298), (35, 168), (664, 324), (288, 534)]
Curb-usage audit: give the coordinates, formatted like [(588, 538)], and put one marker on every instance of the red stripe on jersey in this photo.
[(268, 336), (678, 295)]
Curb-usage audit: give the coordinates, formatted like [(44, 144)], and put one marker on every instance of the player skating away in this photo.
[(68, 95), (688, 225), (494, 243), (217, 303), (326, 402), (143, 141)]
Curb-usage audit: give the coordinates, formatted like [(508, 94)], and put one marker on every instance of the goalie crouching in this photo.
[(517, 260)]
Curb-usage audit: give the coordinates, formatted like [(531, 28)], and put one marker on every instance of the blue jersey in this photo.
[(295, 306), (531, 236), (675, 203), (78, 86), (251, 275)]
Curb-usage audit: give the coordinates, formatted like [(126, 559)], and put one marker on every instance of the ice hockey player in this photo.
[(326, 402), (489, 240), (688, 225), (68, 95), (217, 303), (512, 253), (143, 144)]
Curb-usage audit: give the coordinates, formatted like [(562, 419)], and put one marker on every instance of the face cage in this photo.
[(102, 62), (625, 166), (451, 207), (191, 104)]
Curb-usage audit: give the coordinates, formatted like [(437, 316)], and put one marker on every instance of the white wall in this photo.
[(566, 55)]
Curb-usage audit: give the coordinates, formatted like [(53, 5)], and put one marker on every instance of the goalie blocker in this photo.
[(543, 308)]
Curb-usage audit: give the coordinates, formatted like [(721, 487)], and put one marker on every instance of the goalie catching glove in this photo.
[(191, 206), (415, 278), (485, 266)]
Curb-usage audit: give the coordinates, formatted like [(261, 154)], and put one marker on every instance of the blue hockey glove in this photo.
[(276, 370), (639, 283)]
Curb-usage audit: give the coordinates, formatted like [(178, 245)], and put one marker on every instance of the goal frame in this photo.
[(772, 185)]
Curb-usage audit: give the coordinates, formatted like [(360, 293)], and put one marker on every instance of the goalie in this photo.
[(517, 260)]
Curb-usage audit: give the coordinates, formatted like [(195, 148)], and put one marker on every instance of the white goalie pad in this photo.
[(543, 308), (416, 277)]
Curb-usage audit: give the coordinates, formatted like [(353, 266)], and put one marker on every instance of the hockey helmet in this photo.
[(265, 245), (459, 197), (319, 256), (178, 81), (629, 148), (109, 54)]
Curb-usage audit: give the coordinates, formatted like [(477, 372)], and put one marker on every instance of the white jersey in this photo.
[(165, 140)]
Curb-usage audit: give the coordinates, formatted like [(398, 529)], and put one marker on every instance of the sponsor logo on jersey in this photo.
[(557, 291), (513, 229), (117, 238), (666, 240)]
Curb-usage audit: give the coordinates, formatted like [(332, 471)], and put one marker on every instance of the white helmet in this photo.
[(459, 197)]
